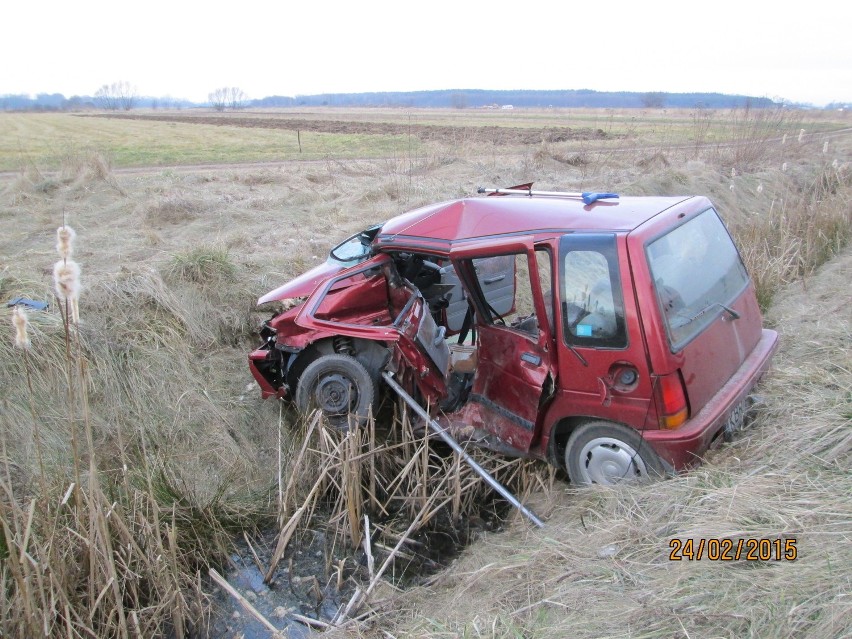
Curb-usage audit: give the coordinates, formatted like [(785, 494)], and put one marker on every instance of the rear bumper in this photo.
[(683, 446)]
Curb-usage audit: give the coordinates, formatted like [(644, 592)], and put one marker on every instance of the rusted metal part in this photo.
[(479, 470)]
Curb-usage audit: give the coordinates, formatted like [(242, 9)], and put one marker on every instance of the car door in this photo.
[(514, 375)]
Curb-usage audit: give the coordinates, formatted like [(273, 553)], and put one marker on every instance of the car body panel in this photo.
[(527, 389), (515, 372), (681, 448), (304, 284), (709, 359), (479, 219)]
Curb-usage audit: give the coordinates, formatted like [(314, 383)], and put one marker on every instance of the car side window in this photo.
[(592, 301)]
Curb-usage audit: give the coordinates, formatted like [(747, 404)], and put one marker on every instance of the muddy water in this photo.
[(305, 582), (318, 577)]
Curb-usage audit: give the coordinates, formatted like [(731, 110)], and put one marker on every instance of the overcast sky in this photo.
[(185, 48)]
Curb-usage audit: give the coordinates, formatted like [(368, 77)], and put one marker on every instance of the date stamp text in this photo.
[(724, 549)]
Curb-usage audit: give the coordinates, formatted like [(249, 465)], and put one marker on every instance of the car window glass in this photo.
[(592, 300), (696, 269), (545, 275), (356, 248), (588, 291)]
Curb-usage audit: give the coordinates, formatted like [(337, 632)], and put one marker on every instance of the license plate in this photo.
[(736, 419)]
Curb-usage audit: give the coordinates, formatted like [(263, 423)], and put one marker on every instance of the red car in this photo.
[(615, 336)]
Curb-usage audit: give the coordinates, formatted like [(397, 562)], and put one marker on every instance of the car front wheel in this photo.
[(338, 385), (604, 453)]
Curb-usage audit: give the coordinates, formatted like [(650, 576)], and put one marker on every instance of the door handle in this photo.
[(530, 358), (496, 278)]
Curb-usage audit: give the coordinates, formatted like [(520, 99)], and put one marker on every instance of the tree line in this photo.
[(123, 96)]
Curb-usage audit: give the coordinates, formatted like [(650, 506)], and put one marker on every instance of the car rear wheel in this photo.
[(605, 453), (338, 385)]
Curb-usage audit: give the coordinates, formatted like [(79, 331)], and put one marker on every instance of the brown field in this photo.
[(184, 219)]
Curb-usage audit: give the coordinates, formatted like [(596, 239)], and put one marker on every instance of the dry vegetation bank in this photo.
[(175, 449)]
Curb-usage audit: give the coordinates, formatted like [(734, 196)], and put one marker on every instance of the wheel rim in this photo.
[(336, 394), (605, 460)]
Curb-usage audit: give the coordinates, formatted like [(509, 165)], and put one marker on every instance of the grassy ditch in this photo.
[(134, 444)]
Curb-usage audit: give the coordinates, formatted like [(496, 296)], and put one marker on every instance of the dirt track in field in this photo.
[(499, 135)]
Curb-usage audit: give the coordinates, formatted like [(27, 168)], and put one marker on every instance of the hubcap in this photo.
[(606, 460), (336, 394)]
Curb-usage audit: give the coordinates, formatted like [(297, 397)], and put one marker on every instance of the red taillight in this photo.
[(672, 409)]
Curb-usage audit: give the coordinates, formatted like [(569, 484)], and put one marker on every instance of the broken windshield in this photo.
[(355, 249)]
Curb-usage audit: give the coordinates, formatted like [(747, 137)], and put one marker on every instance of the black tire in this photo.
[(605, 453), (339, 385)]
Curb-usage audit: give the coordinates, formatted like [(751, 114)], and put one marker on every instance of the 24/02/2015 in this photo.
[(725, 549)]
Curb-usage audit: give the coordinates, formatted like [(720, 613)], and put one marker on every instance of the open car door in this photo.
[(515, 367)]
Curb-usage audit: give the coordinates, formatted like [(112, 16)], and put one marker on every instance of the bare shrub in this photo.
[(755, 135)]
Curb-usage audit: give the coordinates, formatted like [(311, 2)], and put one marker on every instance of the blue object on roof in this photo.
[(590, 198), (33, 304)]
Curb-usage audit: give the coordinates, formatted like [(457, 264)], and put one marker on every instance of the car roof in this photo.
[(483, 217)]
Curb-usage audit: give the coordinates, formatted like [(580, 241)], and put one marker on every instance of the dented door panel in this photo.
[(508, 386), (515, 370)]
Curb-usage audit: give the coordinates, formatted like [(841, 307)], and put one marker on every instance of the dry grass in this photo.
[(174, 208), (202, 265), (802, 229), (172, 265)]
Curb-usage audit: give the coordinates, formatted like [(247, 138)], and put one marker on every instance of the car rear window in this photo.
[(697, 271)]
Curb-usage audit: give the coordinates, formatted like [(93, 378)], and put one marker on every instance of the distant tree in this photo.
[(73, 103), (115, 96), (127, 95), (236, 98), (654, 100), (227, 98), (458, 100), (106, 99), (218, 98)]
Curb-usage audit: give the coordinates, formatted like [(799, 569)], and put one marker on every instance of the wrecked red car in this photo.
[(617, 337)]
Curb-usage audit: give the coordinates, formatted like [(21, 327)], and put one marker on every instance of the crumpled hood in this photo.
[(303, 285)]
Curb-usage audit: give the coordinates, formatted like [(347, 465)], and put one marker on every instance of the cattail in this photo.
[(760, 187), (733, 173), (784, 139), (784, 167), (65, 241), (835, 164), (732, 186), (21, 323), (801, 135), (825, 147), (66, 279)]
